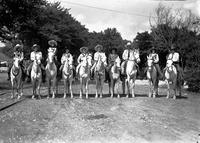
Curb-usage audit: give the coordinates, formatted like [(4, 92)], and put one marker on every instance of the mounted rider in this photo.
[(53, 49), (130, 53), (99, 55), (36, 54), (175, 57), (84, 54), (112, 58), (66, 57), (18, 53), (155, 58)]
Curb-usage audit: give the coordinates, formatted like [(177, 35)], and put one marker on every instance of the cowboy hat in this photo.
[(52, 43), (128, 44), (98, 46), (83, 48), (35, 46), (18, 47)]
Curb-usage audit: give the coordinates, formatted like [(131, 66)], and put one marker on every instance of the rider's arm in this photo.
[(70, 59), (104, 58), (124, 55), (156, 59), (79, 58), (21, 56), (63, 59), (32, 57)]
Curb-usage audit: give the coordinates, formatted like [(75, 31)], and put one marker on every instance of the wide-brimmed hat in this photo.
[(98, 46), (128, 44), (52, 43), (83, 48), (18, 47), (35, 46)]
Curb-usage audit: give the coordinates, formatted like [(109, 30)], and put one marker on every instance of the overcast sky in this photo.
[(132, 15)]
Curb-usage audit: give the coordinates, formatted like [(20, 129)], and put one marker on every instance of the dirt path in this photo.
[(129, 120)]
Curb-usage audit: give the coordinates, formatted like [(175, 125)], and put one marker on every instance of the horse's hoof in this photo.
[(18, 97), (101, 96), (118, 96), (167, 97), (80, 97), (11, 97), (127, 96), (174, 97), (32, 97), (47, 97)]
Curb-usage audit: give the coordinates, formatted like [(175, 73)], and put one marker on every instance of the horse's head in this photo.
[(149, 62), (50, 57), (16, 62), (169, 65)]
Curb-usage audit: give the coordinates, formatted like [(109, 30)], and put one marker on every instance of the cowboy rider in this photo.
[(128, 54), (99, 54), (66, 57), (175, 57), (35, 54), (112, 58), (18, 53), (84, 54), (154, 56), (53, 49)]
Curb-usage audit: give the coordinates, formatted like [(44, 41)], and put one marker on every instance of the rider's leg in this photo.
[(159, 71), (29, 69), (123, 66)]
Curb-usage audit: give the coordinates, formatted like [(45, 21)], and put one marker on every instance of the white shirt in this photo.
[(174, 57), (52, 49), (65, 57), (82, 57), (129, 54), (36, 56), (154, 57), (101, 55)]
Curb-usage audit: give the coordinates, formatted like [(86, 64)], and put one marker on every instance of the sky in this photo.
[(128, 16)]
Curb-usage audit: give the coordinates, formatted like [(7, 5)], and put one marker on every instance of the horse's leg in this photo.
[(111, 88), (81, 87), (174, 88), (33, 85), (49, 87), (54, 87), (65, 86), (97, 82), (39, 86), (101, 87), (70, 87), (150, 88), (128, 88), (168, 89), (86, 87), (18, 89), (133, 87), (123, 85), (13, 89), (117, 86)]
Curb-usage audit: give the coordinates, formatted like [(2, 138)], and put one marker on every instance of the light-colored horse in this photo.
[(171, 78), (51, 75), (67, 75), (16, 79), (36, 77), (152, 76), (114, 75), (99, 74), (84, 75), (131, 73)]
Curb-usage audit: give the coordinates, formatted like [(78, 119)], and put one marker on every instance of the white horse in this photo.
[(114, 75), (51, 74), (99, 74), (36, 77), (67, 75), (84, 75), (16, 78), (171, 78), (131, 72), (152, 76)]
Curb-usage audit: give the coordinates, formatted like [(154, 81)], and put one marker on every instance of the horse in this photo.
[(51, 74), (114, 75), (171, 78), (36, 77), (67, 75), (131, 72), (152, 76), (16, 78), (99, 74), (84, 75)]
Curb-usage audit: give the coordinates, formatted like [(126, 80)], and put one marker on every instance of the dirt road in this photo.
[(125, 120)]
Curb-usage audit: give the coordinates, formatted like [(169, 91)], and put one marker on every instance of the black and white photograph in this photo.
[(99, 71)]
